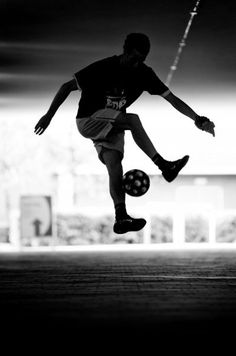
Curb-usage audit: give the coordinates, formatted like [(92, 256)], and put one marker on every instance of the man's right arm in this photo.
[(59, 98), (201, 122)]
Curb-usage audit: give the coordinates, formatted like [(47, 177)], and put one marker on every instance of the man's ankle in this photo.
[(120, 211), (159, 161)]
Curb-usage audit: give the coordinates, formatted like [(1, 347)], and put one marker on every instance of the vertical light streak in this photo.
[(182, 43)]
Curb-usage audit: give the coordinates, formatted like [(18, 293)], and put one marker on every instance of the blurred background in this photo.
[(54, 190)]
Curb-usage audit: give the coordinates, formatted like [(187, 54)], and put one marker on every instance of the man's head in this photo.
[(138, 41), (136, 48)]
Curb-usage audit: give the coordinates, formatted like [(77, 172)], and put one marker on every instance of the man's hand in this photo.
[(42, 124), (204, 124)]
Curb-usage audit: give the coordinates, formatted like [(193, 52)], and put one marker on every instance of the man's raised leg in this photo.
[(132, 122)]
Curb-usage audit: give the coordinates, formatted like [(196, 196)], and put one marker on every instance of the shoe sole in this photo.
[(184, 162), (127, 228)]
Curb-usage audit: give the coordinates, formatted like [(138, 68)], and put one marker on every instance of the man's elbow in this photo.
[(68, 86), (172, 99)]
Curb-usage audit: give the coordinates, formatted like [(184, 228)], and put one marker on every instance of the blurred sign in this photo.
[(36, 216)]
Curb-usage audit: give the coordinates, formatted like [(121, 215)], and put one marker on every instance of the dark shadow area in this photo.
[(138, 298)]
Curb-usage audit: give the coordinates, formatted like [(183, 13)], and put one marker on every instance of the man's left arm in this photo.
[(201, 122)]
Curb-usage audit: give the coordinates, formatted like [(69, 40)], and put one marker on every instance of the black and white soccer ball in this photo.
[(136, 182)]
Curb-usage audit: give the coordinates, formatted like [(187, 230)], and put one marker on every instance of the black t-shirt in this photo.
[(106, 83)]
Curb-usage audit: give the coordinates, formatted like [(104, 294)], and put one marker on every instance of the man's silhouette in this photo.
[(108, 87)]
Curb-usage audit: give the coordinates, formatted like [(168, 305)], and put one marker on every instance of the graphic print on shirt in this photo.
[(116, 99)]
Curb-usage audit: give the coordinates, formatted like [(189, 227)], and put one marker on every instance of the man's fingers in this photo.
[(212, 126), (209, 127), (39, 130), (37, 127), (41, 125), (203, 123), (212, 131)]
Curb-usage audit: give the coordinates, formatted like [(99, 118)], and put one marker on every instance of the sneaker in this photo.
[(171, 169), (128, 224)]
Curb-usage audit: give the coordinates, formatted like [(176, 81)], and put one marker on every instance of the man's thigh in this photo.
[(122, 122), (112, 159)]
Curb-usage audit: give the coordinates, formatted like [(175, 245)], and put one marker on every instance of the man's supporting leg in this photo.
[(124, 222), (112, 161)]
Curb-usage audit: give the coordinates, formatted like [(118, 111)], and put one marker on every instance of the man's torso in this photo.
[(106, 83)]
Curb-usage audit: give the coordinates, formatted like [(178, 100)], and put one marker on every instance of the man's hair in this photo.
[(138, 41)]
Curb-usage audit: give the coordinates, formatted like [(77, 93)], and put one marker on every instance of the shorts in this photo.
[(98, 127)]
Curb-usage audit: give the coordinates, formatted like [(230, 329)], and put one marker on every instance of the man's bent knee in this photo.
[(126, 121), (131, 116), (112, 158)]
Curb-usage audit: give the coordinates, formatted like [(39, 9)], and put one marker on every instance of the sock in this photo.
[(120, 211), (159, 160)]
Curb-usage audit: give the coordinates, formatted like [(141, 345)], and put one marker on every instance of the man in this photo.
[(108, 87)]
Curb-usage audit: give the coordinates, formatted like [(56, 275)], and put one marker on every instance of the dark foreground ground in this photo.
[(147, 296)]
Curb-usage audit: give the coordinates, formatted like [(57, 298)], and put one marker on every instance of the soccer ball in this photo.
[(136, 182)]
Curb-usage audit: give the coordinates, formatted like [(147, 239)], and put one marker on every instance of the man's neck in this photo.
[(122, 59)]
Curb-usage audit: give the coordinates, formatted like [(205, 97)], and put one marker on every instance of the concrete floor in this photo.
[(146, 294)]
